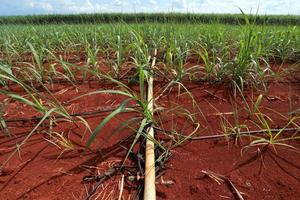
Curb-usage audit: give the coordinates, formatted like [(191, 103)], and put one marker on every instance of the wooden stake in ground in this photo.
[(149, 187)]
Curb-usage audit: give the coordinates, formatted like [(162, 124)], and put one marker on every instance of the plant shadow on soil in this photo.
[(43, 172)]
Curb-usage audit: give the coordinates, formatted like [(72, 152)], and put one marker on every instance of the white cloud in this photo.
[(117, 3), (153, 2), (43, 5), (137, 2), (265, 6), (8, 7), (179, 4)]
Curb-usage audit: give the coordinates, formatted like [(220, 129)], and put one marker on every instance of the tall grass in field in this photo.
[(220, 41), (151, 17), (47, 49)]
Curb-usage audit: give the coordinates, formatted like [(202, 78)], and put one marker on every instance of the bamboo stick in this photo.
[(121, 187), (149, 187)]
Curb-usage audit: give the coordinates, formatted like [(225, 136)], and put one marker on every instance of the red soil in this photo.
[(42, 171)]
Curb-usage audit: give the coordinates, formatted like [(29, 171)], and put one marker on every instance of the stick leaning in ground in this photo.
[(149, 187)]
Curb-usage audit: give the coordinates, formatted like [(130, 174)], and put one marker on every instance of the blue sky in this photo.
[(25, 7)]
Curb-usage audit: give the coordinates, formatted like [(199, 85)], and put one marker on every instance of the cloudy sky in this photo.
[(25, 7)]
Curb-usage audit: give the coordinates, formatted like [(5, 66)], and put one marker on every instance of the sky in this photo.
[(30, 7)]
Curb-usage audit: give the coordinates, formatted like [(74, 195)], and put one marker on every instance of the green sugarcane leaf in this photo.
[(137, 136), (3, 125), (94, 134), (46, 115), (104, 92), (22, 99)]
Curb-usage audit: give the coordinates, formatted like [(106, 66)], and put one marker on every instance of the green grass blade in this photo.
[(47, 114), (104, 92), (137, 136), (94, 134)]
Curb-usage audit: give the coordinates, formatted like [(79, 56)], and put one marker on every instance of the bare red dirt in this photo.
[(42, 171)]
